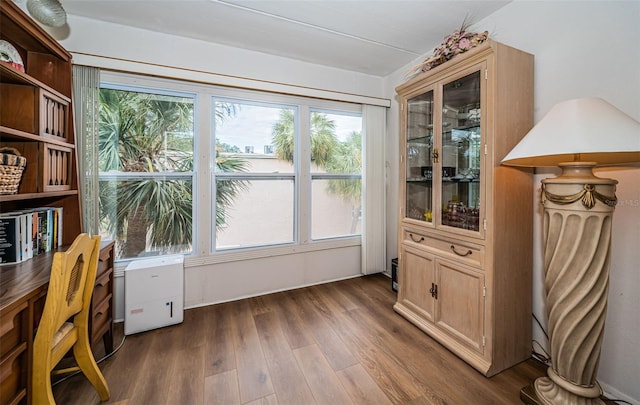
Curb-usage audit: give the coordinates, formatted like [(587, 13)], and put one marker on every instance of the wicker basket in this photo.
[(11, 167)]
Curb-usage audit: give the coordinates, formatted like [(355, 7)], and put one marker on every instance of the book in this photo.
[(28, 248), (49, 229), (26, 223), (57, 226), (43, 236), (10, 251), (24, 248), (34, 233), (38, 230)]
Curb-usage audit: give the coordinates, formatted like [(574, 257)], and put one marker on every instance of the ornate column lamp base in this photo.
[(578, 209)]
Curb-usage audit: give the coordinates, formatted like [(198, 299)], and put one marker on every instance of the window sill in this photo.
[(261, 252)]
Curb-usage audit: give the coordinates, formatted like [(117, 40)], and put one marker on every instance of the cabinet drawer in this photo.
[(105, 261), (11, 328), (464, 252), (102, 288), (102, 267), (100, 317), (12, 374), (13, 353)]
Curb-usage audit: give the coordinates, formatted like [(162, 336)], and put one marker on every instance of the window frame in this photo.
[(256, 176), (139, 85), (203, 251), (334, 176)]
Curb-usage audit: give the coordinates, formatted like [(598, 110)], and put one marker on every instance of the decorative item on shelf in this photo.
[(428, 216), (427, 172), (10, 56), (576, 135), (460, 41), (415, 172), (414, 211), (448, 172), (12, 165), (455, 214)]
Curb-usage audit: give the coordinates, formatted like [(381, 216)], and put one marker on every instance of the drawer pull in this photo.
[(468, 252), (416, 240)]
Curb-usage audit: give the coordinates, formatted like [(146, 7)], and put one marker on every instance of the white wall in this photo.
[(581, 48), (241, 67), (246, 278)]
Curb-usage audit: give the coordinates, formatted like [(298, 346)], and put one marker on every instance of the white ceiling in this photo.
[(369, 36)]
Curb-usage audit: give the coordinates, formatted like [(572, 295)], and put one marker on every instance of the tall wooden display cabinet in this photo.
[(465, 229)]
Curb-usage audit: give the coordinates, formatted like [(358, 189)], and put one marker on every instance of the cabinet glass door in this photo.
[(419, 171), (461, 152)]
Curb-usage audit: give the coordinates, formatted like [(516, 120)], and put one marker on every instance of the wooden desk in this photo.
[(23, 289)]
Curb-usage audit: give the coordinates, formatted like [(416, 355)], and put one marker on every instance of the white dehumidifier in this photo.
[(153, 293)]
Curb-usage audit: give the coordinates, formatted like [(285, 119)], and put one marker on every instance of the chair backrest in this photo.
[(65, 320), (71, 283)]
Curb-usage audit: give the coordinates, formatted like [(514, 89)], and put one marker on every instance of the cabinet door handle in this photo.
[(436, 155), (467, 253), (434, 290), (416, 240)]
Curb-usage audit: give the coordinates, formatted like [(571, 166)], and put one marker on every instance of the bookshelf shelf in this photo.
[(37, 196)]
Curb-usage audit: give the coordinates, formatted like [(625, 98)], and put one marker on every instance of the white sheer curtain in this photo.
[(373, 190), (86, 109)]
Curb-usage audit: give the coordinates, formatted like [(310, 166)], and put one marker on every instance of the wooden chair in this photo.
[(65, 320)]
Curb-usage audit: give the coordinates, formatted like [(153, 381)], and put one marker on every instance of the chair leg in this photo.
[(87, 363), (41, 391)]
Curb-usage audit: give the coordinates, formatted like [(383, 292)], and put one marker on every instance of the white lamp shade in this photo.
[(584, 129)]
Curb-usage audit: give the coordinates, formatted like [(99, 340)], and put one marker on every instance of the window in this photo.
[(336, 167), (255, 192), (146, 174), (279, 197), (276, 172)]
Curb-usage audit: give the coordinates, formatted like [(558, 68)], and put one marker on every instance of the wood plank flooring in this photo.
[(337, 343)]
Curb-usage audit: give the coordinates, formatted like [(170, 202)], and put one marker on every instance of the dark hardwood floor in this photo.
[(337, 343)]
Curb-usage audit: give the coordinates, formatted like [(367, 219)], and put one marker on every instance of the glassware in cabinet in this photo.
[(419, 169), (461, 157)]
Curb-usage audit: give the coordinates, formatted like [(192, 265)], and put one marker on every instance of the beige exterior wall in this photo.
[(264, 213)]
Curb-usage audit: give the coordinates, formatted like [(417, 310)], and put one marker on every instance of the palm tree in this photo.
[(347, 158), (323, 138), (327, 153), (141, 132), (227, 190)]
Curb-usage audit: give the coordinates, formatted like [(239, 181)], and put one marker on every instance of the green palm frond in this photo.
[(348, 160), (323, 138), (142, 132), (283, 136)]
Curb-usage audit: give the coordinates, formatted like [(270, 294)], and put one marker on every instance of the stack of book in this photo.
[(25, 234)]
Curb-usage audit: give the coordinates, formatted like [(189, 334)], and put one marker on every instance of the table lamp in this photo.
[(576, 135)]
